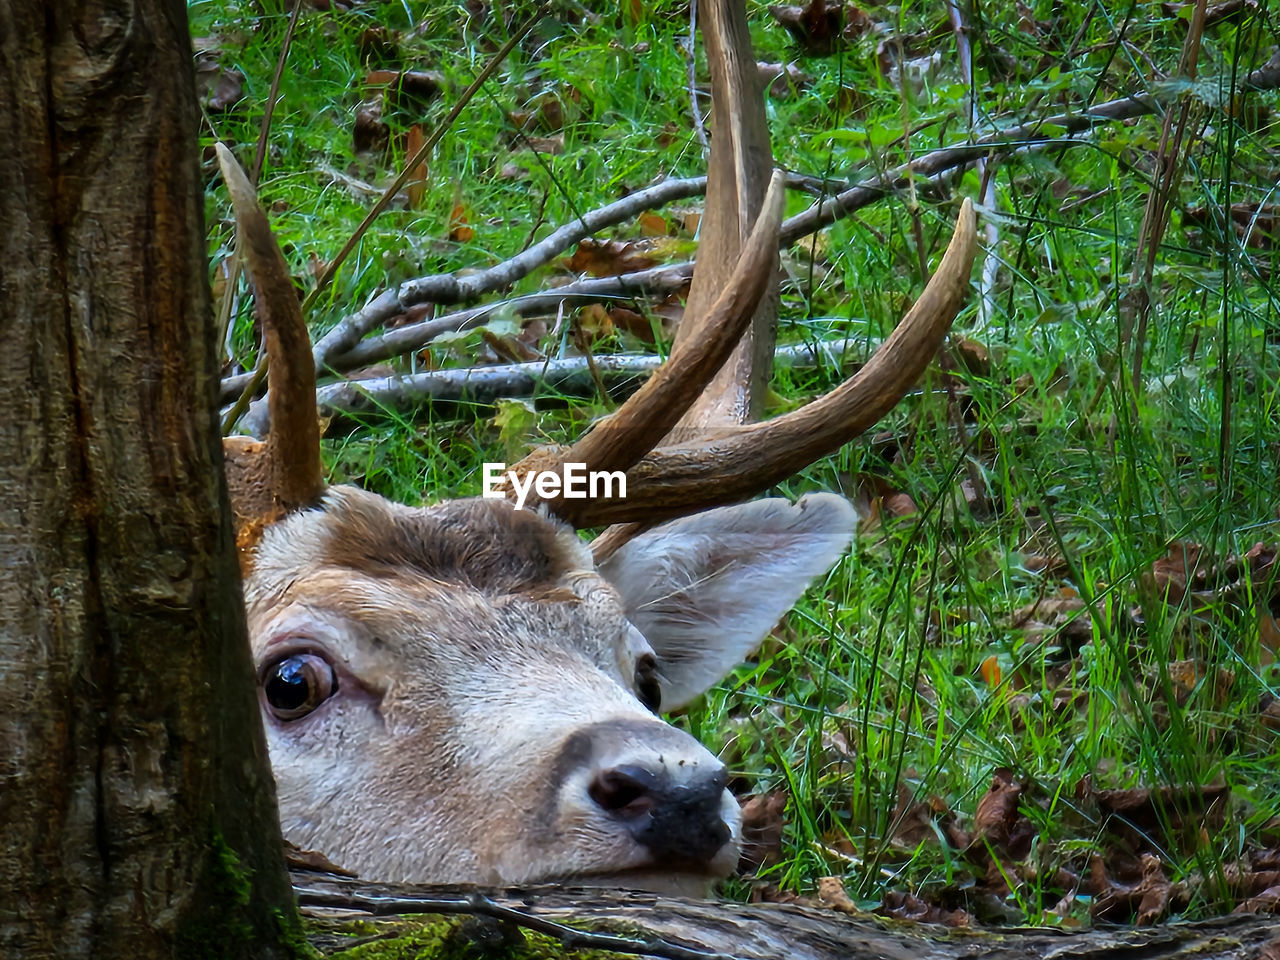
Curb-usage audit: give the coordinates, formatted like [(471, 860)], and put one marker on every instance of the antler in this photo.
[(619, 442), (735, 464), (267, 480)]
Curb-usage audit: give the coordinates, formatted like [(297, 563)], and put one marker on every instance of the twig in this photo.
[(991, 263), (1155, 218), (691, 54), (410, 167), (255, 175), (479, 905), (569, 376), (449, 288), (338, 346), (654, 281)]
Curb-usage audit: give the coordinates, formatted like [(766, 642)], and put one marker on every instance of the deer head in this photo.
[(465, 692)]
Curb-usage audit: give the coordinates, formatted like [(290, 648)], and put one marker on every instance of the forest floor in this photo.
[(1042, 687)]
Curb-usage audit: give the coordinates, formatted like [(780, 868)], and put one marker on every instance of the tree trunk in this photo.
[(137, 803)]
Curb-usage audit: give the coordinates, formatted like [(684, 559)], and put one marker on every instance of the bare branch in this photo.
[(658, 281), (350, 400), (449, 288)]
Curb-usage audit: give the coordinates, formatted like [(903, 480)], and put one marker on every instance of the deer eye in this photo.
[(297, 684), (647, 687)]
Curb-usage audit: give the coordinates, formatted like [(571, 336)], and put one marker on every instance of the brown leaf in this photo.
[(459, 230), (900, 505), (763, 821), (633, 323), (406, 89), (1269, 712), (415, 314), (369, 132), (416, 185), (509, 349), (972, 356), (915, 821), (652, 224), (832, 895), (378, 44), (593, 320), (997, 809), (1186, 675), (553, 145), (219, 88), (1145, 902), (1171, 574), (907, 906), (814, 27), (821, 26), (780, 80), (1155, 818), (1268, 901), (608, 258), (296, 857)]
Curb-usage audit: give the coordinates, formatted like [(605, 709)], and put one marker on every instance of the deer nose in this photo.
[(678, 820)]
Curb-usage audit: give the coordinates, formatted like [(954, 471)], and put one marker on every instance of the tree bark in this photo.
[(137, 803)]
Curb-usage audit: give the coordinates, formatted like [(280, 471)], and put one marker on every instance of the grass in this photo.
[(879, 692)]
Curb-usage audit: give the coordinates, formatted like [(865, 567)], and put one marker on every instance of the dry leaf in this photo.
[(406, 89), (997, 809), (907, 906), (593, 320), (219, 88), (609, 258), (763, 821), (832, 895), (989, 670), (416, 185), (822, 26), (652, 225), (459, 231)]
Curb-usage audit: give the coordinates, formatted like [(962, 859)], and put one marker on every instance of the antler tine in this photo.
[(295, 476), (737, 464), (619, 442)]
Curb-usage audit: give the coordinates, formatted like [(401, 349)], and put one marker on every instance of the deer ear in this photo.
[(706, 590)]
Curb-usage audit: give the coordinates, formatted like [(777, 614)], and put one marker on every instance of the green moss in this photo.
[(460, 938), (221, 925)]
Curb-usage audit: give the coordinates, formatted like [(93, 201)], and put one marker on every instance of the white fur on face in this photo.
[(485, 675)]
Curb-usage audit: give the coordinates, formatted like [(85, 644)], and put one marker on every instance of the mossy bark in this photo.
[(137, 802), (680, 929)]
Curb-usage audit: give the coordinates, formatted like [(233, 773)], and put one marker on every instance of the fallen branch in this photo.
[(449, 288), (656, 281), (350, 400), (340, 349), (682, 929)]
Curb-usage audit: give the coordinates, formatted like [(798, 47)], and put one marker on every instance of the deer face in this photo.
[(456, 693)]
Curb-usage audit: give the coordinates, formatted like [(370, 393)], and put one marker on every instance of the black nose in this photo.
[(677, 821)]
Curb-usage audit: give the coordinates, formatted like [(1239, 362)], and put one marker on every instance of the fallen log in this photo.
[(672, 928)]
